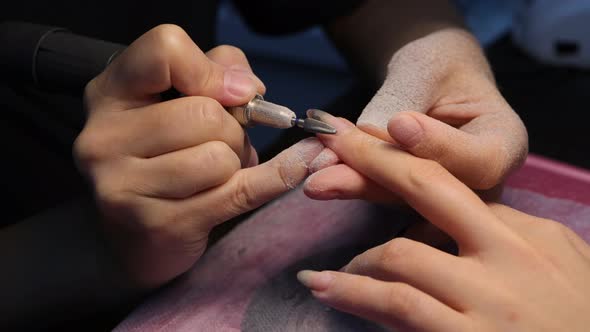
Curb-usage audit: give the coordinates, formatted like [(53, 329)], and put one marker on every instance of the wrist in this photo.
[(117, 284), (449, 48), (446, 58)]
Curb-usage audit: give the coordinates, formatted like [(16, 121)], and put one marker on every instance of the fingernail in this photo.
[(317, 281), (339, 123), (405, 130), (239, 83)]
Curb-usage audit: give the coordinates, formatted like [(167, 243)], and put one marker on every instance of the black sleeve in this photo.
[(277, 17)]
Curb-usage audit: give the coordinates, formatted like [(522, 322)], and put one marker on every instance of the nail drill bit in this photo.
[(261, 112), (314, 126)]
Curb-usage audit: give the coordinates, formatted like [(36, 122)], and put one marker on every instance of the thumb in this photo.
[(477, 160), (251, 187), (406, 88), (164, 58)]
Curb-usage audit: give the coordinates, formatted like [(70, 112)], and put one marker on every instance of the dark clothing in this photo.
[(278, 17)]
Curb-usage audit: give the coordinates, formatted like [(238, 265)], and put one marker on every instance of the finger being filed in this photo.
[(251, 187), (444, 276), (234, 58), (480, 161), (394, 304), (423, 184), (178, 124), (342, 182), (184, 173)]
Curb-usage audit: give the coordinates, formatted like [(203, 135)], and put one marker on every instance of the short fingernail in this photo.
[(317, 281), (405, 130), (239, 83), (339, 124)]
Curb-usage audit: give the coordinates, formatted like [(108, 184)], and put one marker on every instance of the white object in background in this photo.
[(555, 32)]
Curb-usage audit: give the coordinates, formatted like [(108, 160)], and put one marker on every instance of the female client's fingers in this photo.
[(423, 184), (394, 304), (441, 275)]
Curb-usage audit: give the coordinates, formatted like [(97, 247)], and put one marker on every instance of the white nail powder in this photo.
[(294, 163), (415, 72), (325, 159)]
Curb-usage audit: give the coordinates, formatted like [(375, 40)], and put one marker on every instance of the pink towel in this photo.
[(246, 281)]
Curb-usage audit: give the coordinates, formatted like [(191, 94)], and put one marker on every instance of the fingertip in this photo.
[(239, 87), (405, 129), (314, 280), (326, 184), (314, 188), (260, 87)]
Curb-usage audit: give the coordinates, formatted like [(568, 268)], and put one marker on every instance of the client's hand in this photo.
[(514, 272), (166, 172)]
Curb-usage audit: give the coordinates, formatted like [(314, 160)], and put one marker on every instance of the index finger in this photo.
[(423, 184), (164, 58)]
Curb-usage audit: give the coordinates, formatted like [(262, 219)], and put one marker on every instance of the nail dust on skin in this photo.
[(326, 158), (296, 160), (414, 74)]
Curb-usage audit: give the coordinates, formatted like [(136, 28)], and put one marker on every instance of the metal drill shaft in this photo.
[(261, 112)]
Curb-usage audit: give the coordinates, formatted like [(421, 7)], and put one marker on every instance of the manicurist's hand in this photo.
[(439, 101), (166, 172), (514, 272)]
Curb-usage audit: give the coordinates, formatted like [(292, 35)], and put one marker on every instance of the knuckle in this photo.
[(358, 265), (230, 52), (206, 111), (92, 92), (494, 170), (168, 37), (426, 173), (244, 197), (395, 251), (90, 148), (220, 154)]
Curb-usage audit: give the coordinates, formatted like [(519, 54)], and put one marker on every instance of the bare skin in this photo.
[(514, 272)]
